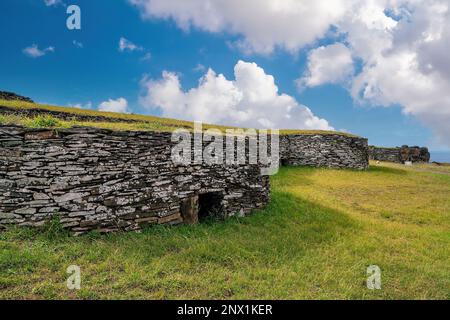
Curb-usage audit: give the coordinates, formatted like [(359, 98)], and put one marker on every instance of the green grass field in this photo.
[(315, 240)]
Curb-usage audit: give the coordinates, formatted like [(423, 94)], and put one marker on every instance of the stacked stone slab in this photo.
[(324, 150), (385, 154), (94, 179), (400, 154)]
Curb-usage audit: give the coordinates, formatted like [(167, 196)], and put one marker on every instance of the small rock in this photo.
[(69, 196), (9, 215), (25, 211), (40, 196)]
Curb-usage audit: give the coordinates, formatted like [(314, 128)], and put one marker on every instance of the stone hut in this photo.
[(400, 154), (95, 179)]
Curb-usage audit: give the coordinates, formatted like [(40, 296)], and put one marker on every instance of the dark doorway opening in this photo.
[(284, 162), (210, 206)]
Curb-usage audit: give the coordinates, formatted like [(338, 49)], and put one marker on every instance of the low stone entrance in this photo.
[(210, 205), (198, 208)]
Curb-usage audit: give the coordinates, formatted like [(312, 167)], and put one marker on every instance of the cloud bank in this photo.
[(263, 24), (401, 46), (250, 100)]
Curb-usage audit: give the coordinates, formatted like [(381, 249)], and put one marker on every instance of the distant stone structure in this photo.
[(400, 154), (5, 95), (325, 150)]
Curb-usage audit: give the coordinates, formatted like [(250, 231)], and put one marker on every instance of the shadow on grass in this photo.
[(288, 228), (304, 171)]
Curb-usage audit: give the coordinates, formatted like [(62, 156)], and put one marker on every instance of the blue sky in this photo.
[(99, 71)]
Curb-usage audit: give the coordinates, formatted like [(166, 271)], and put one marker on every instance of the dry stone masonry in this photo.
[(95, 179), (324, 150), (399, 154)]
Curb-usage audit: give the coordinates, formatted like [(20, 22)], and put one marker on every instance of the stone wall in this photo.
[(385, 154), (326, 150), (95, 179), (400, 154)]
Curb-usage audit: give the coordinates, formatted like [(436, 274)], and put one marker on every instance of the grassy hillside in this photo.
[(110, 120), (314, 241)]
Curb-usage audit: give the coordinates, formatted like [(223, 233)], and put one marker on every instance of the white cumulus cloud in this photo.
[(252, 100), (263, 24), (401, 46), (405, 61), (33, 51), (330, 64), (118, 105)]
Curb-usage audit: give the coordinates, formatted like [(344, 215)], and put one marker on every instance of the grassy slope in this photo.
[(144, 122), (315, 240)]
